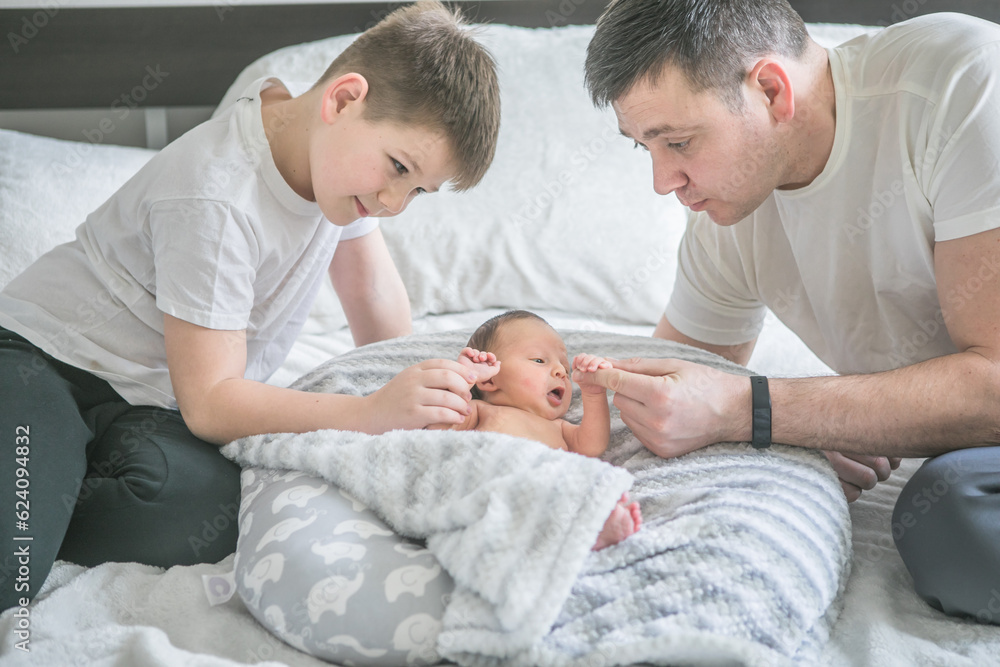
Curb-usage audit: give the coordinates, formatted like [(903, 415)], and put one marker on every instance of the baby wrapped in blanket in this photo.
[(523, 388), (368, 572), (741, 558)]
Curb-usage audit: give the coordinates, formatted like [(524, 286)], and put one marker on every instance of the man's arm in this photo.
[(938, 405), (738, 354), (370, 289), (857, 472), (219, 405)]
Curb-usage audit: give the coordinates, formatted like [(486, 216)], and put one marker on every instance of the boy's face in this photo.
[(363, 169), (534, 370)]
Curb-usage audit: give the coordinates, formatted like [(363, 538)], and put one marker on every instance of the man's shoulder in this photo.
[(921, 57), (939, 37)]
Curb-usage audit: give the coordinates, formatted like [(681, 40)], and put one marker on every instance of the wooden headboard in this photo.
[(64, 57)]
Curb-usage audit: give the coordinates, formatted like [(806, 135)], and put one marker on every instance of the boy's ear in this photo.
[(345, 93)]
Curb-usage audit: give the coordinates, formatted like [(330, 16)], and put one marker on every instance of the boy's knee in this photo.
[(944, 529)]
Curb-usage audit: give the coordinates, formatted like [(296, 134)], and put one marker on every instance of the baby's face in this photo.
[(534, 370)]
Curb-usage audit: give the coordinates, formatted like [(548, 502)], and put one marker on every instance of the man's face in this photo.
[(716, 160)]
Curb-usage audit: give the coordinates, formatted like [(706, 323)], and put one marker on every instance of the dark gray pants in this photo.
[(947, 529), (89, 478)]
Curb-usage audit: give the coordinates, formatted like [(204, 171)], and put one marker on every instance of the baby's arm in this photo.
[(483, 364), (591, 436)]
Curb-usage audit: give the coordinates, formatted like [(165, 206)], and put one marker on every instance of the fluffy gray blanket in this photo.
[(742, 557)]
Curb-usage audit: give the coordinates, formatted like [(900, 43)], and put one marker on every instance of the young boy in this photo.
[(523, 388), (129, 353)]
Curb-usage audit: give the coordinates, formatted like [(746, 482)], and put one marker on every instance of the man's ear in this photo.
[(770, 79), (344, 94)]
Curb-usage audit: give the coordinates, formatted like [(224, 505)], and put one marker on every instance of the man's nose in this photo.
[(667, 176)]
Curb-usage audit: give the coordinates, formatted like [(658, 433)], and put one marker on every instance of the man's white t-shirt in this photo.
[(847, 262), (207, 231)]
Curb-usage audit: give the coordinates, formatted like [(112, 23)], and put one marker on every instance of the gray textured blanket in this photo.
[(742, 557)]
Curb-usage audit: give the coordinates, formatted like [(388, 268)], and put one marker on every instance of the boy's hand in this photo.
[(483, 364), (435, 391), (584, 367)]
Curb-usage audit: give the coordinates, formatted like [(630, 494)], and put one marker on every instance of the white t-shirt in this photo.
[(207, 231), (847, 262)]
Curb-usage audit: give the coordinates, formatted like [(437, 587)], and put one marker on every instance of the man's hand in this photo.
[(858, 472), (674, 407)]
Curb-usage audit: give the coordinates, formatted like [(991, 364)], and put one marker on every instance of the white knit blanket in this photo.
[(742, 557)]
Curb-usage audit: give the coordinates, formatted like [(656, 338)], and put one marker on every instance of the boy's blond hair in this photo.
[(424, 69)]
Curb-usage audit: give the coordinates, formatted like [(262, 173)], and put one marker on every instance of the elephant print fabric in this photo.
[(314, 567)]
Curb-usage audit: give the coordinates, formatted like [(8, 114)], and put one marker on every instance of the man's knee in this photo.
[(944, 525)]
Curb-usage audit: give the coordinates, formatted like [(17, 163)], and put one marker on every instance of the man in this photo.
[(854, 191)]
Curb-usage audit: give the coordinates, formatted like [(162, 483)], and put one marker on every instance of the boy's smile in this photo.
[(365, 169)]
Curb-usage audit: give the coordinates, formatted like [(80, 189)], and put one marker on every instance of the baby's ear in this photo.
[(487, 386)]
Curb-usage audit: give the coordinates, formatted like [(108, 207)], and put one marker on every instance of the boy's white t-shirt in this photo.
[(847, 262), (207, 231)]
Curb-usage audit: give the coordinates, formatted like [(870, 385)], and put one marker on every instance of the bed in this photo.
[(562, 179)]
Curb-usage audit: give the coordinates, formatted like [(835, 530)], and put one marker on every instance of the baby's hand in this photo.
[(483, 364), (584, 367)]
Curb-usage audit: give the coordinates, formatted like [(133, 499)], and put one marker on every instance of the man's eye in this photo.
[(679, 146), (642, 146)]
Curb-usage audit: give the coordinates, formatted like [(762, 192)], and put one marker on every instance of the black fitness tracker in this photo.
[(761, 438)]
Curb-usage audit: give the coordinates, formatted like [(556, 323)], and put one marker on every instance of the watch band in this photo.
[(761, 438)]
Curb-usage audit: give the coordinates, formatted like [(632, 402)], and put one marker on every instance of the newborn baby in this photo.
[(523, 388)]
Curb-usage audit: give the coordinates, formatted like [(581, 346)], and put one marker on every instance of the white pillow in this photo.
[(566, 219), (47, 188)]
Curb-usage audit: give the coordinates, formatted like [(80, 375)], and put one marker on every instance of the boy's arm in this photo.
[(591, 436), (370, 289), (470, 423), (481, 366), (219, 405)]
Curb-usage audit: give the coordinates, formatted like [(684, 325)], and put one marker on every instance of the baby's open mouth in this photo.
[(556, 396)]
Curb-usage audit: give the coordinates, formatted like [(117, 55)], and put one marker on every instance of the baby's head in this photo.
[(535, 374), (430, 93)]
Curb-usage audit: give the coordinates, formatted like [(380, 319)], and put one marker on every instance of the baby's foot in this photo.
[(625, 519), (483, 364)]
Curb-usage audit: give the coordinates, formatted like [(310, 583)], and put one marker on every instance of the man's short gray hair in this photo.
[(710, 41)]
